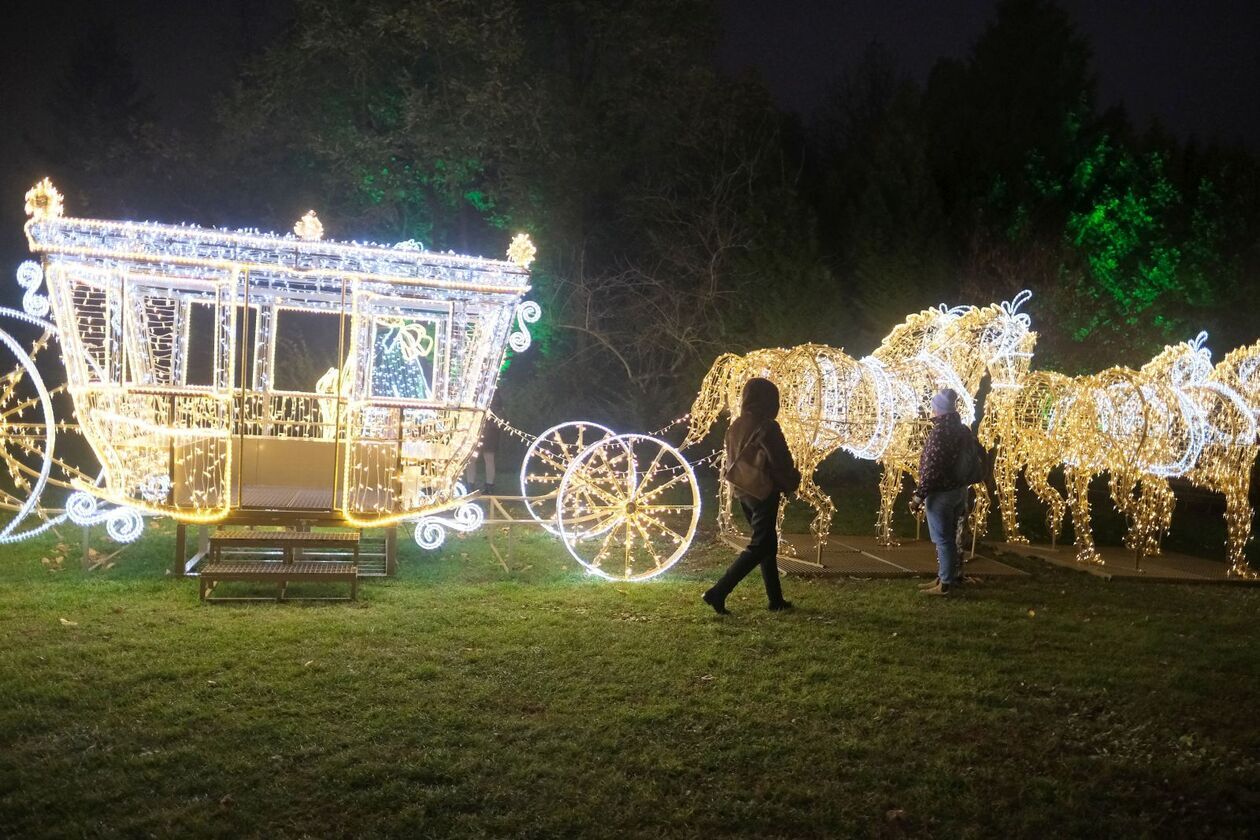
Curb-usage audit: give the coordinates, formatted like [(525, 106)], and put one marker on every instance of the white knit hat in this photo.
[(945, 402)]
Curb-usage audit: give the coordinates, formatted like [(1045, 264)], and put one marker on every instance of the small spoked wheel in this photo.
[(545, 463), (628, 507)]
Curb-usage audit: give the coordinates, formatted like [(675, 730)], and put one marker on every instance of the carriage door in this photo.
[(287, 366)]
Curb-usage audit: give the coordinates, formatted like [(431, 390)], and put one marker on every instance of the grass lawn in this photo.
[(461, 700)]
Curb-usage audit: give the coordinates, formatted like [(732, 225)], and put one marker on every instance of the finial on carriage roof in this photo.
[(522, 250), (43, 201), (309, 227)]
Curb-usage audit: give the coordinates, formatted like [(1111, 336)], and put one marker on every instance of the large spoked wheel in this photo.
[(545, 463), (628, 507), (27, 430)]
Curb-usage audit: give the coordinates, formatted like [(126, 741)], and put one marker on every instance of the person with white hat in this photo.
[(948, 466)]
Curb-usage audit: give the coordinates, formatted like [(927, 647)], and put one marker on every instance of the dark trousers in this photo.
[(762, 551)]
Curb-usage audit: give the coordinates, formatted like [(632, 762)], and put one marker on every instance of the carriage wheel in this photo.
[(628, 507), (27, 432), (545, 463)]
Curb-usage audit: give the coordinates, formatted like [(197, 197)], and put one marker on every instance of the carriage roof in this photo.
[(297, 270)]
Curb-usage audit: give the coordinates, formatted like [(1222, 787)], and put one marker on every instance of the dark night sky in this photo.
[(1194, 65)]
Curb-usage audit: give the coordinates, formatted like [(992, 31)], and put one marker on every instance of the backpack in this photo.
[(969, 465), (749, 472)]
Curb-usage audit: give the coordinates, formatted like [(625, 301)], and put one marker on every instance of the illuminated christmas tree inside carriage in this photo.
[(382, 437)]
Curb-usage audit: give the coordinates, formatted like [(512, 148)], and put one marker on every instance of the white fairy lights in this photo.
[(627, 507), (422, 339)]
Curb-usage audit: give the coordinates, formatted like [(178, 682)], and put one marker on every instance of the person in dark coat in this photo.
[(938, 493), (486, 454), (756, 438)]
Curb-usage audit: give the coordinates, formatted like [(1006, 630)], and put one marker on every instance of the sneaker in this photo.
[(781, 605), (487, 489), (719, 607), (936, 581), (938, 589)]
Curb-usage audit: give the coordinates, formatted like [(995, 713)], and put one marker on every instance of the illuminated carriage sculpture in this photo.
[(381, 439)]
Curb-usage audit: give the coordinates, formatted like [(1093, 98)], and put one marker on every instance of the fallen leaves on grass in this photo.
[(68, 623)]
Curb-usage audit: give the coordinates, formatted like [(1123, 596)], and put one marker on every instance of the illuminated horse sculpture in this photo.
[(876, 407), (1175, 417), (955, 351)]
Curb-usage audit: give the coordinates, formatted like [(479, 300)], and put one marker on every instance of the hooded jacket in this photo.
[(944, 441), (758, 409)]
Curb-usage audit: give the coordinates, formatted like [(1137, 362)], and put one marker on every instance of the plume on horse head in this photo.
[(1007, 342)]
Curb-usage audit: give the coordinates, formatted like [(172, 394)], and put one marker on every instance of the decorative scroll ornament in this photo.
[(309, 227), (431, 530), (522, 250), (43, 201), (30, 276), (123, 524), (527, 312)]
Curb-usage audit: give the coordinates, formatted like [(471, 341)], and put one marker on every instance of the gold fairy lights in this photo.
[(1177, 417), (43, 201), (421, 335), (309, 227), (126, 297), (522, 250), (877, 407)]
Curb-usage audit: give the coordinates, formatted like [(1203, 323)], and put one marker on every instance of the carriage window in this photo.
[(404, 350), (305, 348), (201, 337), (154, 337)]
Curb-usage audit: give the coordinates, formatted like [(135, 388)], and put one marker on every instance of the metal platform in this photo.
[(1121, 564), (862, 556)]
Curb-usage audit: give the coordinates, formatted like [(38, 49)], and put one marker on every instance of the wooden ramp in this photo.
[(1121, 564), (861, 556)]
